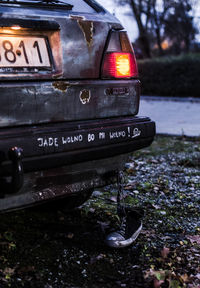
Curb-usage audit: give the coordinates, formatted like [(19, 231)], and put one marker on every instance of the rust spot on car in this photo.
[(61, 85), (57, 76), (87, 29), (76, 17), (85, 96)]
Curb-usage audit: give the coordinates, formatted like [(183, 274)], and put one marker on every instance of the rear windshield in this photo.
[(80, 6), (84, 6), (87, 6)]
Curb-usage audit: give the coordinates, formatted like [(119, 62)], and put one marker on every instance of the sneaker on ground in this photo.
[(130, 228)]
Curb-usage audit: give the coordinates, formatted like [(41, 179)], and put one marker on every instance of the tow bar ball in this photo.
[(15, 155)]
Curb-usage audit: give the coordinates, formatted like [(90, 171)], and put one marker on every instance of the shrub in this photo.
[(171, 76)]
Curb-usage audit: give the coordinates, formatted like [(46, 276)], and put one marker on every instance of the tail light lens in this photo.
[(119, 64)]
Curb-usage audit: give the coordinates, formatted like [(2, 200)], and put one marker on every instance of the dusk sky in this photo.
[(124, 14)]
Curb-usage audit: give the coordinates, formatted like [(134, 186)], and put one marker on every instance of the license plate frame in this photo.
[(24, 52)]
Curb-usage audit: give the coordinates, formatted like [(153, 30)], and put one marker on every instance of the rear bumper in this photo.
[(50, 146), (67, 158)]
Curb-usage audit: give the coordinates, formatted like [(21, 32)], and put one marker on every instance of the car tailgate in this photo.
[(52, 43), (50, 67)]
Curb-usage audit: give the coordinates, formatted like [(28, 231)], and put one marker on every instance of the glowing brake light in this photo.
[(119, 58), (119, 65), (123, 65)]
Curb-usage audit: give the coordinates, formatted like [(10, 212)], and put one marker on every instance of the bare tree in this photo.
[(152, 17), (149, 16), (141, 12), (158, 15), (179, 26)]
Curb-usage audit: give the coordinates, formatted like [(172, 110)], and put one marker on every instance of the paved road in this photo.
[(173, 116)]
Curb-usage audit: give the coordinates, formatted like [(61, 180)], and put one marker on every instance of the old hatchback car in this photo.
[(69, 95)]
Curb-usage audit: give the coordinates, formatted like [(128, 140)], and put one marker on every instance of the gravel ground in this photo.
[(55, 249)]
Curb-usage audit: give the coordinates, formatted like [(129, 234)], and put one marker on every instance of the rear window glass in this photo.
[(79, 6), (84, 6)]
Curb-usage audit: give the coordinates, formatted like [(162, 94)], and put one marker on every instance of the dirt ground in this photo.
[(55, 249)]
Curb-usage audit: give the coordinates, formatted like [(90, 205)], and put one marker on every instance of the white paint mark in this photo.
[(48, 142), (102, 135), (72, 139), (136, 132), (91, 137), (85, 96), (117, 134)]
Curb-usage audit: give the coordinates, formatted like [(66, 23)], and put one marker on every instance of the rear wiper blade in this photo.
[(55, 2), (42, 3)]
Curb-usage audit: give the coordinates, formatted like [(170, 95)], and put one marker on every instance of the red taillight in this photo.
[(119, 60), (119, 65)]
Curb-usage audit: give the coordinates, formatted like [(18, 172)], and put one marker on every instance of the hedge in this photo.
[(171, 76)]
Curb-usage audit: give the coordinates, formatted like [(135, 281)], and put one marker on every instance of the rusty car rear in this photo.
[(66, 125)]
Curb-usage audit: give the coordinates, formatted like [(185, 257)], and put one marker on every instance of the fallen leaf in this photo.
[(184, 278), (157, 283), (197, 276), (128, 187), (165, 251), (174, 284), (179, 259), (194, 238), (9, 271), (159, 275)]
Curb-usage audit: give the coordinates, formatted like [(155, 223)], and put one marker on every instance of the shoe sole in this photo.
[(127, 242)]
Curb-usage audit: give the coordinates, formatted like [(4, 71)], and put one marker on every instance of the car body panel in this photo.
[(28, 103)]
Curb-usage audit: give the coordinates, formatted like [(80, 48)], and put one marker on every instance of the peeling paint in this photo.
[(60, 85), (87, 28), (76, 17), (85, 96), (57, 76)]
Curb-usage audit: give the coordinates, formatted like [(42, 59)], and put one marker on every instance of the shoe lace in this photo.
[(122, 229)]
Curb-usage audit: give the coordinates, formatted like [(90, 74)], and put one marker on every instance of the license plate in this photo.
[(17, 51)]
